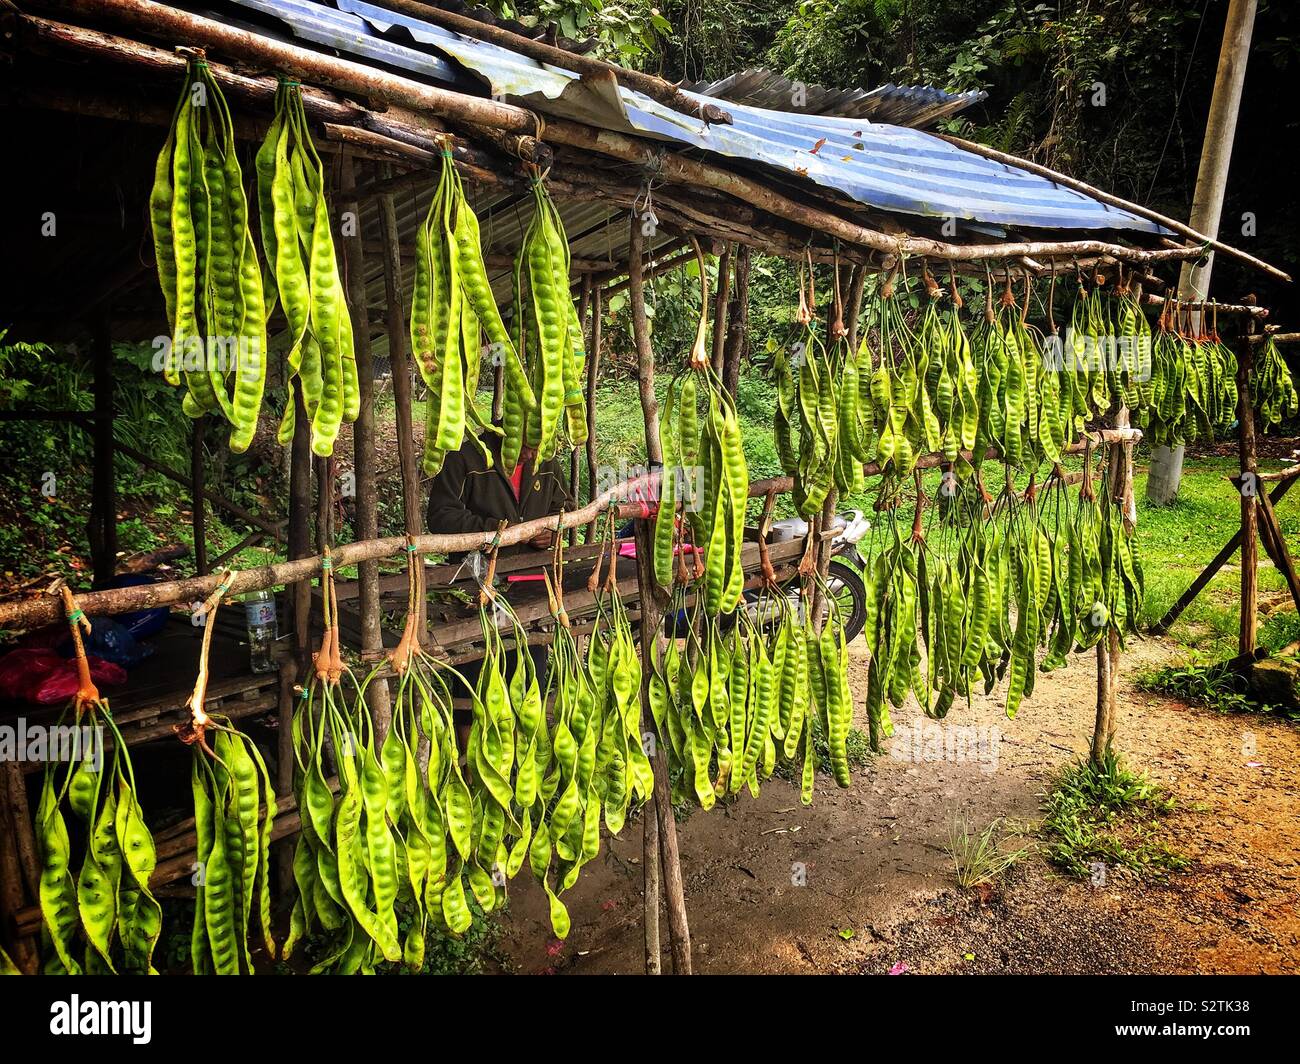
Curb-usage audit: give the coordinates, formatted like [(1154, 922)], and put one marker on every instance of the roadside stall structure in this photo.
[(646, 176)]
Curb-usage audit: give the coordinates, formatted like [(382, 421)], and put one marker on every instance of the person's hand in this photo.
[(543, 540)]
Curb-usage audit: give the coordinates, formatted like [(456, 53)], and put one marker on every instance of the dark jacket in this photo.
[(467, 496)]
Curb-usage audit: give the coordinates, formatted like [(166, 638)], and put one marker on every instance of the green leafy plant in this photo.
[(1106, 813)]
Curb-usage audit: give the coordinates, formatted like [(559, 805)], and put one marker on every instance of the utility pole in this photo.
[(1207, 203)]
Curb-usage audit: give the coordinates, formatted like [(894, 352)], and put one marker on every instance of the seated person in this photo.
[(467, 496)]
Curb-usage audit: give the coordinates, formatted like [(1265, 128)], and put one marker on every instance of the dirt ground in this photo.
[(860, 881)]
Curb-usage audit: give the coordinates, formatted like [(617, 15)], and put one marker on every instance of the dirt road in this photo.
[(860, 881)]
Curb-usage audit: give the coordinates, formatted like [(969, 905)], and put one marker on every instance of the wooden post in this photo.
[(400, 363), (299, 533), (651, 602), (1249, 491), (593, 375), (284, 762), (12, 898), (584, 306), (197, 510), (720, 308), (103, 503), (650, 903), (366, 515), (18, 862), (1120, 465), (737, 322)]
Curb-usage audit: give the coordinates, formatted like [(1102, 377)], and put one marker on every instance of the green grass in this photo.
[(1175, 544), (978, 857), (1107, 815)]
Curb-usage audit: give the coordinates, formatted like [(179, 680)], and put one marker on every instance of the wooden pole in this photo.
[(1119, 493), (650, 903), (737, 323), (284, 761), (593, 377), (1275, 544), (720, 308), (103, 505), (584, 307), (1249, 491), (400, 363), (299, 533), (198, 515), (1193, 232), (366, 515), (22, 946), (652, 613), (651, 608)]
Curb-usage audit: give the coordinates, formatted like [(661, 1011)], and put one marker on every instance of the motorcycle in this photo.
[(843, 575)]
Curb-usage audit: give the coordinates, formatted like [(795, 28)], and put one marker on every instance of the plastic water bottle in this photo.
[(259, 612)]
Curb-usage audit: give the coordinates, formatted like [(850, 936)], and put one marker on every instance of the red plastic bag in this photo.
[(44, 677)]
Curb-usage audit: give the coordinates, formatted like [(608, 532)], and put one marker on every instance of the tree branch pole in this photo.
[(651, 605), (652, 613), (198, 520), (366, 514)]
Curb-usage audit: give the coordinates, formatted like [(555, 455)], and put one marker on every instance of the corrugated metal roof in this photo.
[(876, 164), (916, 106)]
